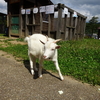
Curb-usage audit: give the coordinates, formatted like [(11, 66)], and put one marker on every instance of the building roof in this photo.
[(32, 0), (47, 2), (6, 0), (2, 13)]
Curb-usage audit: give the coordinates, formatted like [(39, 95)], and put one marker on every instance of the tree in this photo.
[(92, 26), (94, 20)]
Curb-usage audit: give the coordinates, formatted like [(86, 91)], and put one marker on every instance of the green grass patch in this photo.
[(18, 50), (2, 34), (80, 59)]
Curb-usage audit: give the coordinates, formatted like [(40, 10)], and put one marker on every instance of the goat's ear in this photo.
[(42, 42), (58, 46)]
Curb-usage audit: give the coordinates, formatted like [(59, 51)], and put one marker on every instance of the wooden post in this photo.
[(33, 22), (77, 28), (73, 30), (20, 19), (9, 19), (81, 28), (74, 25), (41, 22), (49, 25), (60, 7), (70, 24), (84, 26), (65, 23), (26, 30), (9, 25), (33, 18)]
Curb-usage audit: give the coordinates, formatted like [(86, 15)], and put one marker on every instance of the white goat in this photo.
[(43, 48)]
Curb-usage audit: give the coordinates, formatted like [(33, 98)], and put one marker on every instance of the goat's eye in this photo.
[(52, 49)]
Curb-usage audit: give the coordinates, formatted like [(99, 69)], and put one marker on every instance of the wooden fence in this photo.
[(64, 23)]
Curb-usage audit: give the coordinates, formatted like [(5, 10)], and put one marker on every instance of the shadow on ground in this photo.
[(27, 66)]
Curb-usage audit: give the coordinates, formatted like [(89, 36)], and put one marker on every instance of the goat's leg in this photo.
[(31, 64), (34, 63), (58, 69), (40, 68)]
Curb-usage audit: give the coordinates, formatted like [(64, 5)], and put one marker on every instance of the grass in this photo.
[(16, 50), (80, 59), (2, 34)]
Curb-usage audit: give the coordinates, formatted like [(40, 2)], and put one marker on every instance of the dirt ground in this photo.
[(16, 83)]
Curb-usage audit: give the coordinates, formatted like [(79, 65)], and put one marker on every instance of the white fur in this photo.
[(43, 48)]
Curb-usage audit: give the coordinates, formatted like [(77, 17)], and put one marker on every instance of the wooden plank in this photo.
[(69, 33), (9, 19), (70, 23), (41, 22), (13, 1), (75, 24), (26, 30), (65, 22), (14, 34), (20, 20), (71, 27), (59, 23), (9, 25), (33, 24), (79, 27), (49, 25), (72, 11), (69, 9), (14, 15), (20, 25), (84, 25), (33, 1), (33, 19)]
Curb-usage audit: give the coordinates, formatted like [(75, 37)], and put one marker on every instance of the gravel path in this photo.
[(16, 83)]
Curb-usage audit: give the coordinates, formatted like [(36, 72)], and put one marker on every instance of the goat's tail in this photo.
[(26, 39)]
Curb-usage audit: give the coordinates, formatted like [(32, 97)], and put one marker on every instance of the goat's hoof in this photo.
[(40, 76), (62, 79), (32, 73)]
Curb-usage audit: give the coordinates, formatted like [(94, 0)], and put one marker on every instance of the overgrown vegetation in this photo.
[(92, 26), (80, 59)]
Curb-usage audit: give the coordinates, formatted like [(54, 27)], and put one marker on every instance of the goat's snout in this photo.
[(44, 57)]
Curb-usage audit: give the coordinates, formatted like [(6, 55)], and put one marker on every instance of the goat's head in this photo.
[(50, 48)]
